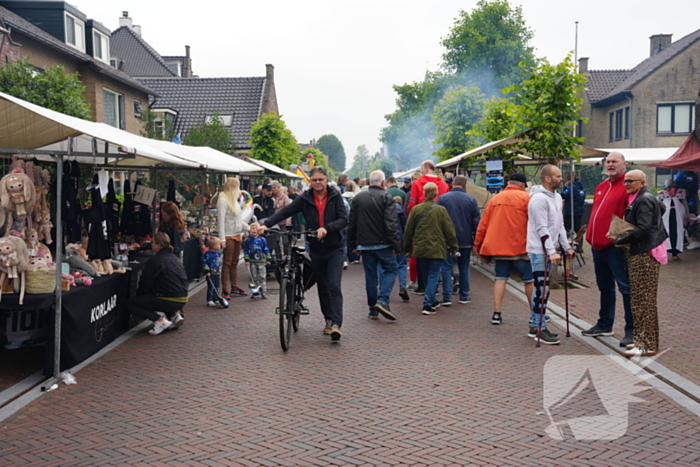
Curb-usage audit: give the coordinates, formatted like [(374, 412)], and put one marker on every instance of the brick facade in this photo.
[(675, 81), (43, 57)]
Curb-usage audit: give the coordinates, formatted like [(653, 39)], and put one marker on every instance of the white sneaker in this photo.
[(693, 246), (345, 265), (212, 304), (177, 321), (159, 326)]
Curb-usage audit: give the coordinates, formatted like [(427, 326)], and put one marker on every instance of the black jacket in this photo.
[(373, 220), (163, 276), (335, 218), (267, 206), (645, 214)]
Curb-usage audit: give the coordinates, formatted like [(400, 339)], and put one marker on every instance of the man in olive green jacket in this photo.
[(430, 237)]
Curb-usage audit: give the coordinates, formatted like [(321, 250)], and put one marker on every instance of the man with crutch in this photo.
[(545, 230)]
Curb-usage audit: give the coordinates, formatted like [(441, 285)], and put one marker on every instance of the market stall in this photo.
[(81, 325)]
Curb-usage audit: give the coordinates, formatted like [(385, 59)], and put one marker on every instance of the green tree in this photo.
[(500, 121), (487, 45), (454, 117), (52, 88), (361, 163), (213, 133), (410, 133), (271, 141), (384, 164), (549, 107), (156, 126), (331, 146)]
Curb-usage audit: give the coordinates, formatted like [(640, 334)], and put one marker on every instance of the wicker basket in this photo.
[(40, 281)]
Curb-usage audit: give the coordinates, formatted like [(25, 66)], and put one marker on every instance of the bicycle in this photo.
[(292, 287)]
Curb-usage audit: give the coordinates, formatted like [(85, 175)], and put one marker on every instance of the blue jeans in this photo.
[(463, 267), (539, 305), (429, 268), (328, 270), (610, 268), (402, 264), (380, 268), (212, 295)]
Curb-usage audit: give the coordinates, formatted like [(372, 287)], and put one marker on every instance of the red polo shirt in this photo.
[(321, 206)]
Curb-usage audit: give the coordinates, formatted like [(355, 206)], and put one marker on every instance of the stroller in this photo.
[(273, 243)]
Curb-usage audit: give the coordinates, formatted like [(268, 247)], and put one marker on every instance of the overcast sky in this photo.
[(336, 60)]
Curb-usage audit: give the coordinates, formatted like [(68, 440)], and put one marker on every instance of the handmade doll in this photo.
[(17, 192), (45, 226)]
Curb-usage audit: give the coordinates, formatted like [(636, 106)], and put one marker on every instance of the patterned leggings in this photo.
[(644, 282)]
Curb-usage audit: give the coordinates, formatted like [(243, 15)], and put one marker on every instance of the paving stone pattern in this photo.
[(678, 305), (448, 389)]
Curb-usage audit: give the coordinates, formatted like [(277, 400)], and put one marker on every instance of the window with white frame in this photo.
[(75, 32), (100, 46), (114, 109), (619, 124), (675, 118), (226, 120)]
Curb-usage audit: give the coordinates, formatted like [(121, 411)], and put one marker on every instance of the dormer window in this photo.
[(100, 46), (75, 32), (226, 120)]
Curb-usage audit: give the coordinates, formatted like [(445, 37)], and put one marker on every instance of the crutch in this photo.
[(222, 300), (544, 289), (566, 296)]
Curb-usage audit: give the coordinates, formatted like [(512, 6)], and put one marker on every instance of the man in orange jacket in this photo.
[(502, 236)]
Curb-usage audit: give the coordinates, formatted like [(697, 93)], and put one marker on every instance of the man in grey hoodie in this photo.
[(545, 221)]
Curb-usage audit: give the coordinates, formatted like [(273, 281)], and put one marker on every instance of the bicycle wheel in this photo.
[(286, 313), (298, 294)]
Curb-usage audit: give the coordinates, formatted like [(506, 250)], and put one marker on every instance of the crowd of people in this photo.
[(424, 234)]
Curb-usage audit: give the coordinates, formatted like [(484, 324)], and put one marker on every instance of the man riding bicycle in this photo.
[(324, 211)]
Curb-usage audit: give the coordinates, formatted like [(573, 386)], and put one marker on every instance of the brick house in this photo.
[(187, 100), (51, 32), (649, 106)]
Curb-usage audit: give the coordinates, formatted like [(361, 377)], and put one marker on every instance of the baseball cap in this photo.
[(266, 186), (518, 177), (407, 179)]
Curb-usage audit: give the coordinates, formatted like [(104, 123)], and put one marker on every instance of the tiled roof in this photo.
[(138, 58), (195, 98), (601, 82), (25, 27), (651, 64)]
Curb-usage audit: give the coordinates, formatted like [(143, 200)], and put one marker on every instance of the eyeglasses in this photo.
[(316, 180), (628, 181)]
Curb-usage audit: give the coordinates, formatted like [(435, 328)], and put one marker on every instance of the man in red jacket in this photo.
[(609, 261), (427, 168)]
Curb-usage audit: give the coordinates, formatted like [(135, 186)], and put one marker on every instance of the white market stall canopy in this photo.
[(28, 126), (272, 168), (637, 156)]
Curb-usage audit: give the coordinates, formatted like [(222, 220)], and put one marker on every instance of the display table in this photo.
[(92, 316), (192, 258)]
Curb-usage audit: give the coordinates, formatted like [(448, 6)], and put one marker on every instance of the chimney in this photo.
[(125, 20), (659, 42), (583, 65), (270, 73), (187, 65)]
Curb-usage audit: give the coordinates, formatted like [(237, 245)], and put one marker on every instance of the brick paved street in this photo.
[(449, 389)]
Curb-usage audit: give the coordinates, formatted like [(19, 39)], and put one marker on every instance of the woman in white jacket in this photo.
[(232, 229)]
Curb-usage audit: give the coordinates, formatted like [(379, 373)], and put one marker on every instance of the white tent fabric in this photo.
[(206, 157), (28, 126), (273, 168), (638, 156)]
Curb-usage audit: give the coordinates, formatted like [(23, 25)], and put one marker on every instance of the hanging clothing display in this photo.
[(128, 208), (137, 220), (171, 193), (71, 204), (112, 206), (97, 226)]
